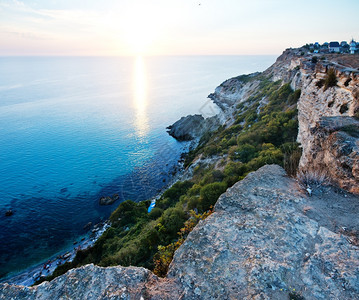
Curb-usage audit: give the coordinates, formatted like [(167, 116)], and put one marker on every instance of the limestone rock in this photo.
[(260, 244), (335, 150), (88, 282), (322, 150), (91, 282)]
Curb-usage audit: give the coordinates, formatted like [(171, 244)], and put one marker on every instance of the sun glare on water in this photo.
[(140, 96), (140, 84)]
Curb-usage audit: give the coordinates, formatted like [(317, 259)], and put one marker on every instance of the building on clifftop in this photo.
[(334, 47), (353, 47)]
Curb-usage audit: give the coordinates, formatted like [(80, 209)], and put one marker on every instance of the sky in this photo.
[(172, 27)]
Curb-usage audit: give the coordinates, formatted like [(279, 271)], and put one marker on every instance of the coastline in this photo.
[(38, 271), (19, 262)]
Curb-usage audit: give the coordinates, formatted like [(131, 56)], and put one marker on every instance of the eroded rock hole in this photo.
[(346, 83), (343, 108)]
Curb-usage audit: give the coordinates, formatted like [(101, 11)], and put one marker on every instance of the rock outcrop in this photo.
[(192, 127), (335, 151), (232, 92), (265, 240), (323, 150), (315, 107)]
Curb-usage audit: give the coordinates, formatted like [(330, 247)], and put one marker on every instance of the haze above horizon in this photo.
[(171, 27)]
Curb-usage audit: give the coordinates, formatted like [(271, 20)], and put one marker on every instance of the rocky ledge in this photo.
[(266, 239), (335, 151)]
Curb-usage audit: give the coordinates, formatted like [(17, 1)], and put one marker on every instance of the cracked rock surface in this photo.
[(267, 238)]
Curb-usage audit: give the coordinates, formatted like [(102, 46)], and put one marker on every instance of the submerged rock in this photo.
[(109, 200), (9, 213)]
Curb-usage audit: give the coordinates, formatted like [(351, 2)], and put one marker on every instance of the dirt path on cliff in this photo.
[(334, 209)]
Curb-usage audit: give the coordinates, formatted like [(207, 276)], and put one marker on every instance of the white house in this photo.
[(334, 47)]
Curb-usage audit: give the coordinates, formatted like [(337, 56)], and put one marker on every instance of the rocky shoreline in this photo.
[(46, 268), (39, 271)]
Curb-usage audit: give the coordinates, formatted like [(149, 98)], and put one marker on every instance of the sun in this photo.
[(141, 29)]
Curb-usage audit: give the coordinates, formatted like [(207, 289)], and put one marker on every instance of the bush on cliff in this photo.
[(330, 79)]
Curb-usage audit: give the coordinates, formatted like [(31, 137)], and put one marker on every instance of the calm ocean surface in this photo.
[(75, 129)]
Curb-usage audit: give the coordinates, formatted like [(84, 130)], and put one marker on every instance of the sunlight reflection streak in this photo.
[(140, 97)]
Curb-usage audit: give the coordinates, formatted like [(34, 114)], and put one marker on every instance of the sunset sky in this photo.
[(171, 27)]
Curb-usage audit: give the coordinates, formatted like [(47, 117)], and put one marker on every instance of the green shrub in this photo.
[(210, 194), (246, 152), (192, 202), (174, 193), (171, 222), (291, 157), (127, 213), (155, 213), (293, 98), (194, 190)]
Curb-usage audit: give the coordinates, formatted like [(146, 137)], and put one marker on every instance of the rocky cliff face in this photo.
[(328, 148), (265, 240), (328, 132)]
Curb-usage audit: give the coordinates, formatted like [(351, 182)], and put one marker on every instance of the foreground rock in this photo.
[(92, 282), (265, 240)]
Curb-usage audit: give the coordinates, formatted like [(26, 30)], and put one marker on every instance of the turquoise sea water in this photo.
[(74, 129)]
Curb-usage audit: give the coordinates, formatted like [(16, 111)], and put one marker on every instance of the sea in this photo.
[(75, 129)]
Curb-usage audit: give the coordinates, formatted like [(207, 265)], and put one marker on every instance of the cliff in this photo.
[(266, 239), (328, 133), (270, 236), (327, 115)]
